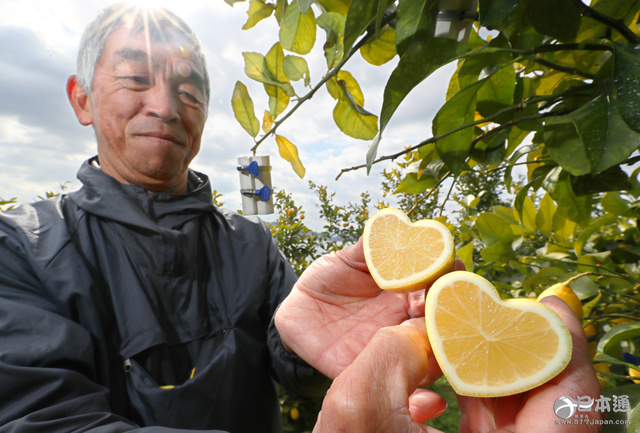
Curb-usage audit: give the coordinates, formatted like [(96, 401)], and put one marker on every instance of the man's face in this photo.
[(148, 109)]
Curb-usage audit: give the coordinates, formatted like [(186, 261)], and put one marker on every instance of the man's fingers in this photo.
[(425, 404)]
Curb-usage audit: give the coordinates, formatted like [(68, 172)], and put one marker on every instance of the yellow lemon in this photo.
[(294, 413), (566, 293), (403, 256), (488, 347)]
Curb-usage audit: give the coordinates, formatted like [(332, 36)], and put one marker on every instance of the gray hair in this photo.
[(115, 16)]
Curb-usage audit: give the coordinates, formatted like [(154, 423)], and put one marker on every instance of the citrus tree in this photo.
[(549, 85)]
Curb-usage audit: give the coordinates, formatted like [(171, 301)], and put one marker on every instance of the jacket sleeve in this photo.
[(298, 378), (47, 360)]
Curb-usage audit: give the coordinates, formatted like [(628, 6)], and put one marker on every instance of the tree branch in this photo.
[(446, 199), (618, 25), (332, 73), (433, 189), (563, 68), (517, 107)]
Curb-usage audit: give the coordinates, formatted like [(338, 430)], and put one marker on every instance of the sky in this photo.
[(42, 145)]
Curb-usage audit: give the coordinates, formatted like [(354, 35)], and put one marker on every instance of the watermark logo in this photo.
[(578, 411), (565, 407)]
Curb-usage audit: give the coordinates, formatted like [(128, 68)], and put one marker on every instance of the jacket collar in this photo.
[(105, 197)]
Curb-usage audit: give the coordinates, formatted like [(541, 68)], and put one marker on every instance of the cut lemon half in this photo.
[(403, 256), (488, 347)]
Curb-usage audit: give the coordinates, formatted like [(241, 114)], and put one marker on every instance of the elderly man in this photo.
[(134, 301)]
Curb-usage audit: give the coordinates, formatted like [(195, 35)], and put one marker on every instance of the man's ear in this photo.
[(79, 101)]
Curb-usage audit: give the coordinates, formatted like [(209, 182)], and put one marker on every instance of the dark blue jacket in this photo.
[(121, 309)]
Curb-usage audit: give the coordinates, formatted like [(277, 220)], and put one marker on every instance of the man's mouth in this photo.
[(163, 136)]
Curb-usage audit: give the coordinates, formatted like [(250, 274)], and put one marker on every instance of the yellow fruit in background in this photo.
[(294, 413), (602, 367), (403, 256), (487, 347), (634, 373), (566, 293), (590, 331)]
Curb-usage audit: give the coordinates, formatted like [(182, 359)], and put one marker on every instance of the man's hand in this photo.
[(377, 392), (336, 307)]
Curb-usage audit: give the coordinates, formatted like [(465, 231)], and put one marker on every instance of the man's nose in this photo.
[(162, 102)]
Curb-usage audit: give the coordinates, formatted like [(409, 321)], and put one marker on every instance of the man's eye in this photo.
[(137, 80), (189, 97)]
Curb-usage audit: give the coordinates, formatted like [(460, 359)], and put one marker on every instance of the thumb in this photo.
[(373, 393)]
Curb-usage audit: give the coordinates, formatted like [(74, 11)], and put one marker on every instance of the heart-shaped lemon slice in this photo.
[(403, 256), (488, 347)]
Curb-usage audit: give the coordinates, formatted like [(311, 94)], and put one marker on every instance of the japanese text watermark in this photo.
[(582, 409)]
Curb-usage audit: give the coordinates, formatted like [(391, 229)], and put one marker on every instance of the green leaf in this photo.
[(382, 49), (529, 216), (412, 184), (298, 30), (372, 151), (296, 68), (243, 110), (362, 14), (416, 64), (304, 5), (348, 114), (497, 252), (563, 230), (544, 217), (557, 18), (493, 229), (338, 6), (617, 334), (606, 137), (258, 10), (616, 205), (565, 147), (588, 307), (624, 11), (342, 82), (497, 92), (416, 19), (575, 208), (466, 255), (257, 68), (333, 24), (491, 150), (594, 227), (627, 80), (612, 179), (278, 100), (459, 110), (290, 153), (274, 59), (517, 29), (354, 121), (492, 11)]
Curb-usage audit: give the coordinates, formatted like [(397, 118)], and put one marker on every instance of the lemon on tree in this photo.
[(566, 293)]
